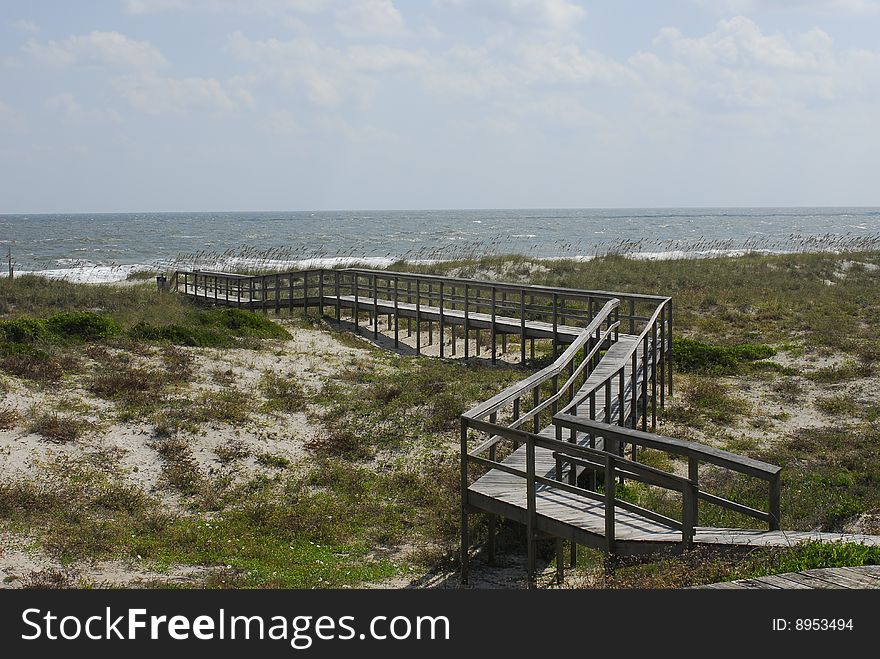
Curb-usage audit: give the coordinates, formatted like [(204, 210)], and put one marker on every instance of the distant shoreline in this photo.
[(114, 274)]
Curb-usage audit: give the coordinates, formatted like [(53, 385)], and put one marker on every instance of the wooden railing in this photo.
[(613, 468), (485, 306), (650, 372), (696, 454)]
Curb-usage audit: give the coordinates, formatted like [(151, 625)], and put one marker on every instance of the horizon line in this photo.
[(436, 209)]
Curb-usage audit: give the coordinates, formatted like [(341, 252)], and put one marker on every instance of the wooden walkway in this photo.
[(550, 451), (845, 578)]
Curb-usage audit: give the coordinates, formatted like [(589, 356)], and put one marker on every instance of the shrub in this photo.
[(60, 327), (27, 361), (244, 323), (23, 330), (126, 383), (179, 335), (82, 325), (57, 428), (340, 442), (693, 355)]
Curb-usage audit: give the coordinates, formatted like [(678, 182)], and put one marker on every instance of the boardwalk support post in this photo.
[(465, 539)]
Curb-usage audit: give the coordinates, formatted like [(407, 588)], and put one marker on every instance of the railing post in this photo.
[(689, 513), (465, 540), (357, 315), (632, 316), (609, 505), (532, 520), (277, 294), (418, 317), (375, 308), (617, 323), (408, 301), (522, 327), (396, 314), (321, 293), (608, 401), (430, 326), (466, 322), (337, 293), (669, 344), (634, 389), (515, 418), (654, 376), (494, 345), (440, 329), (645, 383), (290, 293), (662, 362), (694, 477), (775, 495), (555, 326), (536, 400)]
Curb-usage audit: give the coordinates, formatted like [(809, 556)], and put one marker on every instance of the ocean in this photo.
[(102, 247)]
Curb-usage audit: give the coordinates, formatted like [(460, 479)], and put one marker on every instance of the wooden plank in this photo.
[(838, 577), (811, 582)]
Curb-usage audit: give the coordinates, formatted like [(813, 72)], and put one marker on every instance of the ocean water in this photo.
[(107, 247)]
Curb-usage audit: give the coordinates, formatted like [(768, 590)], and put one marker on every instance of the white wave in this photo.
[(92, 274)]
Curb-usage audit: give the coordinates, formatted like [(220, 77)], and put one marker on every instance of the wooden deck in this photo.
[(548, 451), (838, 578)]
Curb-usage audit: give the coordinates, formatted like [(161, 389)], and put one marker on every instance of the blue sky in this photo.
[(138, 105)]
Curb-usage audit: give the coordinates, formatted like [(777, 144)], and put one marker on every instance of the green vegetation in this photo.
[(381, 472), (693, 355), (704, 400), (58, 428), (776, 299), (701, 566), (282, 393)]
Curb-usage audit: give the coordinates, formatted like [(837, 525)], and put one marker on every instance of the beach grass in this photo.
[(374, 494)]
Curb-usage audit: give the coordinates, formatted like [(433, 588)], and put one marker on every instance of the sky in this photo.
[(199, 105)]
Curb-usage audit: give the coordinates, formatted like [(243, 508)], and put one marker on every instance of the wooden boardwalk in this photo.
[(550, 451), (838, 578)]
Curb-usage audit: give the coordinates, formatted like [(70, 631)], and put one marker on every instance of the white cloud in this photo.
[(838, 7), (379, 58), (283, 123), (64, 103), (11, 120), (326, 76), (27, 27), (69, 108), (157, 95), (548, 62), (738, 68), (556, 15), (265, 7), (103, 49), (370, 18)]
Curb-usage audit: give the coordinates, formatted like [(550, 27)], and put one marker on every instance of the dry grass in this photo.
[(9, 418), (59, 428)]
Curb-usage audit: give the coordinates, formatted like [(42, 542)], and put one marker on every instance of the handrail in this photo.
[(614, 466), (538, 289), (684, 447), (696, 454), (561, 390), (623, 360), (516, 389)]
